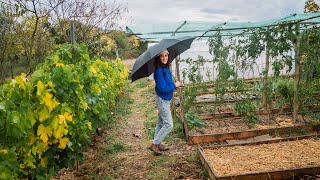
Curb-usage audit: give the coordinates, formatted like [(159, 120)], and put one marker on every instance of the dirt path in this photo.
[(135, 161), (121, 151)]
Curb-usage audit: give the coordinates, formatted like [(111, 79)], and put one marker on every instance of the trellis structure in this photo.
[(203, 30), (216, 32)]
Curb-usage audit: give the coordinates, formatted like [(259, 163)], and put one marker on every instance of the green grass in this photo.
[(194, 158), (114, 148), (141, 83), (160, 168), (123, 102)]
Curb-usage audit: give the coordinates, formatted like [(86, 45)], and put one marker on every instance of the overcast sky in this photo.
[(152, 11)]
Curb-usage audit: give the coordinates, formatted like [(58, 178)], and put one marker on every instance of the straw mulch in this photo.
[(235, 160)]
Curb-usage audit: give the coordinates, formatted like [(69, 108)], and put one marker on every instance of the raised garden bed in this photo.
[(272, 159), (218, 130)]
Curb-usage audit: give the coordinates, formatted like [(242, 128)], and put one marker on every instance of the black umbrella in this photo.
[(144, 65)]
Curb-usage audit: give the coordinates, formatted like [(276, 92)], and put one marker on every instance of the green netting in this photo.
[(156, 32)]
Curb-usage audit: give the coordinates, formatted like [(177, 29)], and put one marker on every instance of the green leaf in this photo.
[(31, 117), (2, 105), (16, 117), (37, 75)]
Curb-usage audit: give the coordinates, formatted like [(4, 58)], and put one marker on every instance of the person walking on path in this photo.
[(164, 88)]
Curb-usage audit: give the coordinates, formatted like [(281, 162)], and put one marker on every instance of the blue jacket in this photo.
[(164, 84)]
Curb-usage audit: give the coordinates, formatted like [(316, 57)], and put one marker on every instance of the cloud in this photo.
[(141, 11), (252, 10)]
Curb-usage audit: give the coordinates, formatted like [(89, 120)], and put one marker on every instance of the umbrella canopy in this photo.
[(144, 65)]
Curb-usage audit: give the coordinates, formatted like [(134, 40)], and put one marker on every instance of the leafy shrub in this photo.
[(45, 122), (284, 89), (247, 109), (194, 121)]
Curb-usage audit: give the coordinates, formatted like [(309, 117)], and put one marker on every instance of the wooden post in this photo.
[(297, 73), (265, 80), (172, 105), (182, 113)]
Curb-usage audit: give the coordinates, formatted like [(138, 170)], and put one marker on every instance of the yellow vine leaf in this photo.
[(44, 162), (55, 123), (50, 84), (20, 81), (89, 125), (124, 74), (55, 141), (68, 116), (60, 132), (40, 89), (63, 143), (39, 148), (31, 139), (55, 59), (92, 69), (29, 160), (95, 88), (43, 114), (34, 150), (62, 120), (49, 102), (4, 151), (84, 104), (59, 64), (44, 133), (101, 77)]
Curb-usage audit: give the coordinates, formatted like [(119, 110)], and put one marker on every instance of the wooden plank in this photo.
[(269, 141), (206, 164), (234, 114), (213, 94), (217, 116), (281, 174), (220, 137), (210, 100), (254, 139), (275, 174), (210, 91)]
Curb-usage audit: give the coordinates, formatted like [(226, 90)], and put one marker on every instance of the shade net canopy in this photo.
[(157, 31)]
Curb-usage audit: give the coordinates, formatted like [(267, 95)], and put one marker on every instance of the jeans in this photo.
[(165, 123)]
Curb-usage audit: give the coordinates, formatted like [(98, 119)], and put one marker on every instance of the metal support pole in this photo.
[(297, 73)]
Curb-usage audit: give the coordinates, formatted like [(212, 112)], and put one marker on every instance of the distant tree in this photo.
[(117, 44), (91, 18), (27, 40), (30, 28), (5, 26), (311, 6), (136, 47)]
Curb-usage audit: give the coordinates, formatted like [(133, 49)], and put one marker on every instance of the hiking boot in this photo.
[(162, 147), (155, 149)]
